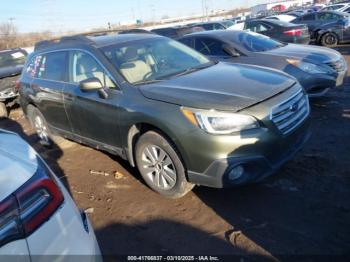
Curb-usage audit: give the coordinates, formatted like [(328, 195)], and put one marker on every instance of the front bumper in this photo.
[(256, 167), (316, 85), (8, 94), (210, 159)]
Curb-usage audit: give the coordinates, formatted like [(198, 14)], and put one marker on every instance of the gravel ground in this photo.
[(303, 210)]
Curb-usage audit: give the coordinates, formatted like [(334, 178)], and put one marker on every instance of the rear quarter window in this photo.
[(33, 65), (53, 66), (307, 17)]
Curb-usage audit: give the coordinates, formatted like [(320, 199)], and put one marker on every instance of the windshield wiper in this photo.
[(188, 70), (147, 82)]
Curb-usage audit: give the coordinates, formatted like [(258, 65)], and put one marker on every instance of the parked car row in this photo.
[(328, 28)]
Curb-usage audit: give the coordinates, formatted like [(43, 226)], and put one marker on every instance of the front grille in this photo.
[(338, 66), (291, 113)]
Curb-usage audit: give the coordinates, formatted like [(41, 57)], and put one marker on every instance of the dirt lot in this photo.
[(303, 210)]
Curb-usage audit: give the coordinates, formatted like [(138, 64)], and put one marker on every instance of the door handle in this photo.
[(68, 97)]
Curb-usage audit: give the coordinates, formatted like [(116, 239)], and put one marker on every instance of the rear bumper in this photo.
[(256, 167), (302, 40), (6, 98), (67, 234)]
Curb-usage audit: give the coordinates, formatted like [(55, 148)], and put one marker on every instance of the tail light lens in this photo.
[(10, 228), (294, 32), (29, 207), (17, 85)]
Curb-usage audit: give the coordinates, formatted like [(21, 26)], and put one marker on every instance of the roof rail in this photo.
[(64, 39), (83, 38)]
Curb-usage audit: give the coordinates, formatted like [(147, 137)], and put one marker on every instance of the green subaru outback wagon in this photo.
[(181, 119)]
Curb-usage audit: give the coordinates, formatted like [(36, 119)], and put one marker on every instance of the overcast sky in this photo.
[(65, 15)]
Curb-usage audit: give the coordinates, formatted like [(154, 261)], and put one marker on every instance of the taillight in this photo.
[(17, 85), (10, 228), (293, 32), (29, 207)]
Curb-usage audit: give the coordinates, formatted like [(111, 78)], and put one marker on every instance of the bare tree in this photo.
[(8, 35)]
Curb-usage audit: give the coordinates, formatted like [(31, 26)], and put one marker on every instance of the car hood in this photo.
[(18, 163), (222, 86), (308, 53), (10, 71)]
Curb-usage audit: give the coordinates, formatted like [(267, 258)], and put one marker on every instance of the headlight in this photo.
[(215, 122), (308, 67)]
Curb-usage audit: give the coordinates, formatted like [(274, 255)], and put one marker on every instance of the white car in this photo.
[(238, 26), (37, 215), (285, 18), (336, 7)]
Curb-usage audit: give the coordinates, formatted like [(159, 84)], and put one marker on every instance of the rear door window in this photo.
[(308, 17), (219, 27), (327, 16), (33, 66), (208, 27), (52, 66), (257, 27)]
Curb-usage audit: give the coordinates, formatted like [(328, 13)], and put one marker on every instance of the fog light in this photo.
[(236, 173)]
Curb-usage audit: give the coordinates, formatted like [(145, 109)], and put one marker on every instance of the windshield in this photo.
[(280, 22), (146, 61), (254, 42), (12, 58), (228, 23)]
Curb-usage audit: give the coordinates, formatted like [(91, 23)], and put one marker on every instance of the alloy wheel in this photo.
[(158, 167), (330, 40), (41, 129)]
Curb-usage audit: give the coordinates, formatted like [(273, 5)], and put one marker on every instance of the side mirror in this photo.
[(231, 51), (91, 84)]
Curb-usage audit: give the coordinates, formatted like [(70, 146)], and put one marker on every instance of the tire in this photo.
[(4, 112), (39, 124), (329, 40), (160, 165)]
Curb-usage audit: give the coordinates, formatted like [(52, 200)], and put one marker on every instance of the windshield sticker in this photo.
[(17, 55)]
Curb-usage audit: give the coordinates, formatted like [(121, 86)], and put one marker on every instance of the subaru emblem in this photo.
[(294, 107)]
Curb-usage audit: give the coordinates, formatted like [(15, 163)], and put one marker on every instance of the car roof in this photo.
[(11, 50), (338, 4), (96, 41), (208, 23), (330, 11), (19, 162), (120, 38)]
